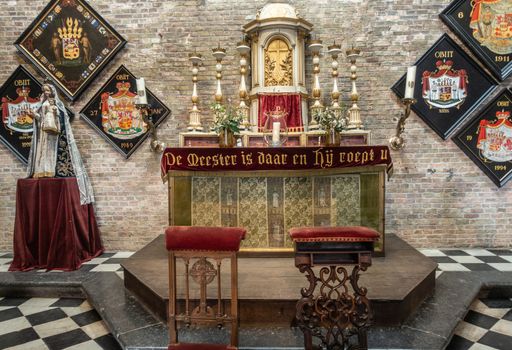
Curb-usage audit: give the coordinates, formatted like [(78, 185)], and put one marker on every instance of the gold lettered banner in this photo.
[(286, 158)]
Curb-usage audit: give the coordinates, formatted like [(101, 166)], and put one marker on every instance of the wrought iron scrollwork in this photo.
[(333, 314)]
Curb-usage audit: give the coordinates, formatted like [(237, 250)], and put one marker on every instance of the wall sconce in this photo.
[(397, 142)]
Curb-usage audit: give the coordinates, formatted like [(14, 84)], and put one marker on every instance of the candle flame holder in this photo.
[(268, 132), (397, 142)]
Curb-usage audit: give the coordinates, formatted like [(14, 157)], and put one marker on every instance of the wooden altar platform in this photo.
[(269, 287)]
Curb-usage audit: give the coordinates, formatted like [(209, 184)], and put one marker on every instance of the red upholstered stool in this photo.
[(195, 245), (327, 309)]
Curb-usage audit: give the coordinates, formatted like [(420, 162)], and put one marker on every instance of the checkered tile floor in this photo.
[(55, 324), (41, 323), (487, 325), (107, 262), (52, 323), (470, 259)]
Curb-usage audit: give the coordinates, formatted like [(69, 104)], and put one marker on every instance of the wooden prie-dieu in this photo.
[(327, 309), (198, 247)]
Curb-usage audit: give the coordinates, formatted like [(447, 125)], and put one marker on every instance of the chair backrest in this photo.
[(202, 251)]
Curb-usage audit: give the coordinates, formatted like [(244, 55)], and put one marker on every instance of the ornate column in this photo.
[(219, 53), (354, 113), (316, 46), (195, 114), (255, 56), (334, 50), (243, 49)]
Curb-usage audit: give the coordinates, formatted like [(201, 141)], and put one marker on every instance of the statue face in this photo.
[(47, 91)]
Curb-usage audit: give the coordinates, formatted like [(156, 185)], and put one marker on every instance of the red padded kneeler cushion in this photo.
[(226, 239), (334, 234)]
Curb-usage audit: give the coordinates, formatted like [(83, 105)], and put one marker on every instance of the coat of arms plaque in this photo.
[(113, 113), (486, 27), (70, 44), (450, 86), (487, 139)]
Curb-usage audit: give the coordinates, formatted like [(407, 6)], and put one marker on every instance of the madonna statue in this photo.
[(53, 152)]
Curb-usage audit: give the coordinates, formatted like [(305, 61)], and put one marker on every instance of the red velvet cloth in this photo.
[(226, 239), (198, 347), (334, 234), (287, 103), (52, 230)]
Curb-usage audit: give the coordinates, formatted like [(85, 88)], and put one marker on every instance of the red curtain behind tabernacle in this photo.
[(289, 103), (52, 230)]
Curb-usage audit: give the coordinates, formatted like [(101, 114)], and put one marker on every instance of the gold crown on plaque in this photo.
[(71, 29)]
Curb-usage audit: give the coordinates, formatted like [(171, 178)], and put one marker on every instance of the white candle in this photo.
[(410, 82), (275, 132), (141, 92)]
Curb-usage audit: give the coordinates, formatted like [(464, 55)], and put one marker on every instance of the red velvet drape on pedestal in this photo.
[(52, 230), (289, 103)]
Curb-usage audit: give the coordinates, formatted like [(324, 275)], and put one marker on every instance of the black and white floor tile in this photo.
[(487, 326), (52, 323)]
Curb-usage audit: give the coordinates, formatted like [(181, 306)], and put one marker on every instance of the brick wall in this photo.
[(428, 210)]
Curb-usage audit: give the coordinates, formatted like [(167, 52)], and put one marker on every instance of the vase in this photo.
[(226, 138), (332, 138)]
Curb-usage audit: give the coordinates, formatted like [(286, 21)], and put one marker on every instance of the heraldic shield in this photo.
[(445, 87), (487, 139), (113, 113)]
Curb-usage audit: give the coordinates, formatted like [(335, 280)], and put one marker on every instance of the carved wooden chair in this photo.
[(198, 247), (327, 309)]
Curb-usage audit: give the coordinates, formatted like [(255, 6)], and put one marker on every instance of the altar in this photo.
[(270, 190)]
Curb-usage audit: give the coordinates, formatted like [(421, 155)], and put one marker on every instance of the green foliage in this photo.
[(226, 118), (329, 119)]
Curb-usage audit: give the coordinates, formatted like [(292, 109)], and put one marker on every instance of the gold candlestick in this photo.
[(354, 113), (316, 46), (397, 142), (334, 50), (243, 49), (219, 53), (195, 113)]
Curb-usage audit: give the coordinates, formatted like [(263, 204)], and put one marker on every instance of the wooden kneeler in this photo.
[(328, 310), (198, 247)]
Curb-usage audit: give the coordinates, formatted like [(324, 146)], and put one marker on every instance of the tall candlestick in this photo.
[(316, 46), (410, 82), (275, 132), (219, 53), (141, 92), (354, 113), (334, 50), (244, 49), (195, 113)]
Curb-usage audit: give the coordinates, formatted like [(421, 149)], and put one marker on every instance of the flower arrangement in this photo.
[(329, 119), (226, 118)]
